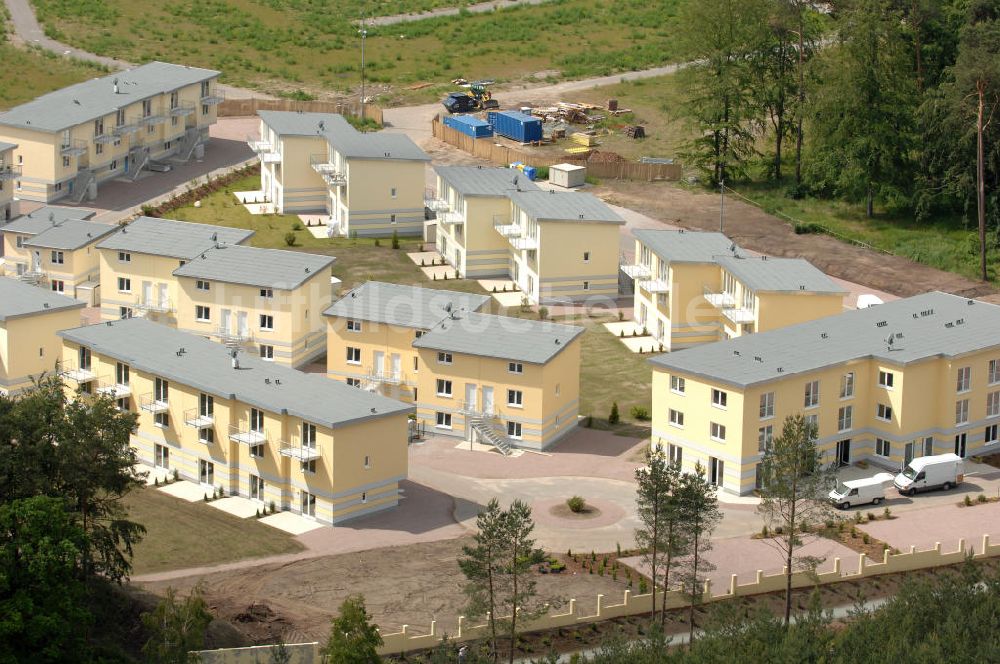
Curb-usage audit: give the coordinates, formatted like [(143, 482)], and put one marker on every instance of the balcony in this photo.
[(739, 315), (105, 138), (194, 418), (244, 435), (450, 218), (154, 118), (472, 411), (328, 171), (126, 129), (153, 305), (386, 377), (75, 148), (152, 404), (719, 299), (654, 285), (181, 110), (72, 371), (109, 387), (229, 337), (637, 271), (299, 452), (213, 98), (432, 202), (9, 172), (259, 145), (523, 243), (505, 228)]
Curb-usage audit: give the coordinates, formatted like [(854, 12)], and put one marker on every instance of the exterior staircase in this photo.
[(80, 184), (191, 140), (139, 157), (490, 435)]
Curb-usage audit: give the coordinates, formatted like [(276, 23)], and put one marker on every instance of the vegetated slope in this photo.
[(313, 45)]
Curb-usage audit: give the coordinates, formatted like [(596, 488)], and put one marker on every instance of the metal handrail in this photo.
[(228, 336), (258, 145), (390, 377), (194, 418), (472, 410), (109, 386), (74, 148), (151, 404), (243, 434), (10, 172), (214, 97), (299, 451), (181, 109), (72, 371), (155, 306)]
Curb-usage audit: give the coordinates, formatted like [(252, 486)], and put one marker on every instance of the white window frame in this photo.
[(845, 419), (586, 257), (443, 387), (353, 355), (515, 398), (202, 285), (124, 285), (810, 396), (963, 380), (847, 385), (202, 313), (515, 367), (886, 379), (765, 435), (353, 325), (717, 432), (961, 412), (58, 257), (990, 434), (676, 418), (993, 373), (124, 257), (883, 447), (267, 293), (266, 352), (445, 358), (678, 384), (269, 319), (883, 412), (766, 410), (720, 398), (514, 430), (443, 420), (993, 404)]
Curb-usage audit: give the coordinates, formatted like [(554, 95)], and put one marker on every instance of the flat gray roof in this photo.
[(96, 98), (7, 146), (682, 246), (167, 237), (406, 306), (500, 337), (207, 366), (565, 206), (293, 123), (343, 137), (19, 299), (924, 326), (252, 266), (483, 181), (765, 273), (71, 234), (44, 218)]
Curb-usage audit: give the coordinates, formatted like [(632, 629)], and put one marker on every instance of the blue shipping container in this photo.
[(518, 126), (469, 125)]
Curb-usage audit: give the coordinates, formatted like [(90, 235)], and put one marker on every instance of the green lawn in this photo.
[(290, 45), (180, 534)]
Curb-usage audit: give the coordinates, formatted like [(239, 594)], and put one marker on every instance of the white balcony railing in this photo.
[(506, 229), (432, 202), (193, 417), (243, 434), (182, 109), (654, 285), (74, 148), (229, 336), (258, 145), (328, 170), (451, 217), (739, 315), (637, 271), (72, 371), (108, 386), (151, 404), (214, 98), (9, 172), (386, 377), (126, 129), (719, 299), (522, 243), (473, 410), (154, 305), (299, 451), (105, 138)]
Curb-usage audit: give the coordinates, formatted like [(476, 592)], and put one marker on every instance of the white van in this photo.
[(860, 492), (930, 472)]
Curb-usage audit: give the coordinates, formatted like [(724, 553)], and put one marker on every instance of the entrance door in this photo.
[(844, 452), (487, 398), (147, 292), (379, 362), (126, 163), (642, 315), (206, 472), (242, 324), (908, 453), (256, 487), (716, 471), (36, 261), (307, 504), (161, 456), (960, 440), (225, 320), (397, 366), (470, 396)]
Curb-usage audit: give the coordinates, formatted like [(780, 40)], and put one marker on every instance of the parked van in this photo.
[(930, 472), (860, 492)]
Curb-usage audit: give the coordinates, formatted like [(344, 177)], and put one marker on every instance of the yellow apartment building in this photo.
[(256, 429), (9, 175), (30, 319), (693, 288), (369, 183), (886, 384), (201, 279), (371, 330), (56, 248), (70, 140), (501, 381)]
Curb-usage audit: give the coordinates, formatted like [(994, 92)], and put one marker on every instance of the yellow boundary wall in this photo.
[(405, 641)]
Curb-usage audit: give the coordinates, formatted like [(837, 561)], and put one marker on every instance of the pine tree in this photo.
[(353, 637)]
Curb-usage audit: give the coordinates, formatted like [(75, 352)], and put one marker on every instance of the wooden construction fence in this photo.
[(249, 107), (486, 148)]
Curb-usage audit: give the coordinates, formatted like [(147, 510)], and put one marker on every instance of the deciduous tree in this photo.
[(354, 639)]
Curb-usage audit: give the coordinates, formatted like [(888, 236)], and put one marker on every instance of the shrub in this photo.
[(865, 538), (576, 504), (205, 497), (981, 498), (590, 422), (764, 532), (640, 412), (613, 417), (643, 586), (967, 500), (156, 481), (296, 226), (778, 530), (378, 243), (420, 247), (871, 516), (271, 505), (622, 334), (395, 239), (618, 548), (422, 262), (621, 316), (828, 523), (290, 239), (176, 475), (543, 313), (887, 513)]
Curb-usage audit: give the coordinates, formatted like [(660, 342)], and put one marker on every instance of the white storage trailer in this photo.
[(930, 472), (568, 175), (860, 492)]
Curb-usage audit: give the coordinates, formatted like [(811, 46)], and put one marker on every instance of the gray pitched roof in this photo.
[(293, 123), (71, 234), (481, 181), (684, 246), (207, 366), (177, 239), (932, 325), (44, 218), (251, 266), (96, 98), (565, 206), (19, 299), (7, 146), (779, 274), (500, 337), (406, 306)]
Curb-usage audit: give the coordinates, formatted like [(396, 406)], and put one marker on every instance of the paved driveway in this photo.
[(944, 523)]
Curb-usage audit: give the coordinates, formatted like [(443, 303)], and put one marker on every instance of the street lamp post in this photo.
[(364, 33), (722, 204)]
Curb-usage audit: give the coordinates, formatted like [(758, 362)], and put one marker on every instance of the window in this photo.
[(354, 382), (515, 367), (883, 412), (122, 373), (717, 432), (161, 390), (65, 162), (882, 447), (991, 434), (267, 293), (416, 363), (845, 418), (309, 435), (124, 285), (677, 384), (256, 487), (443, 387), (993, 404), (766, 405), (963, 379), (674, 453), (202, 285), (993, 375), (444, 358), (206, 435), (586, 257), (58, 286), (124, 312), (811, 399), (206, 406), (764, 437), (885, 379), (257, 451), (202, 313), (392, 192), (161, 420), (124, 257), (676, 418), (392, 219), (368, 462), (444, 420), (122, 404), (58, 258), (353, 355), (515, 398), (161, 456), (514, 430), (962, 411), (308, 467), (266, 322), (353, 326), (719, 398), (114, 162), (99, 127), (19, 241), (928, 446), (586, 285), (267, 353)]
